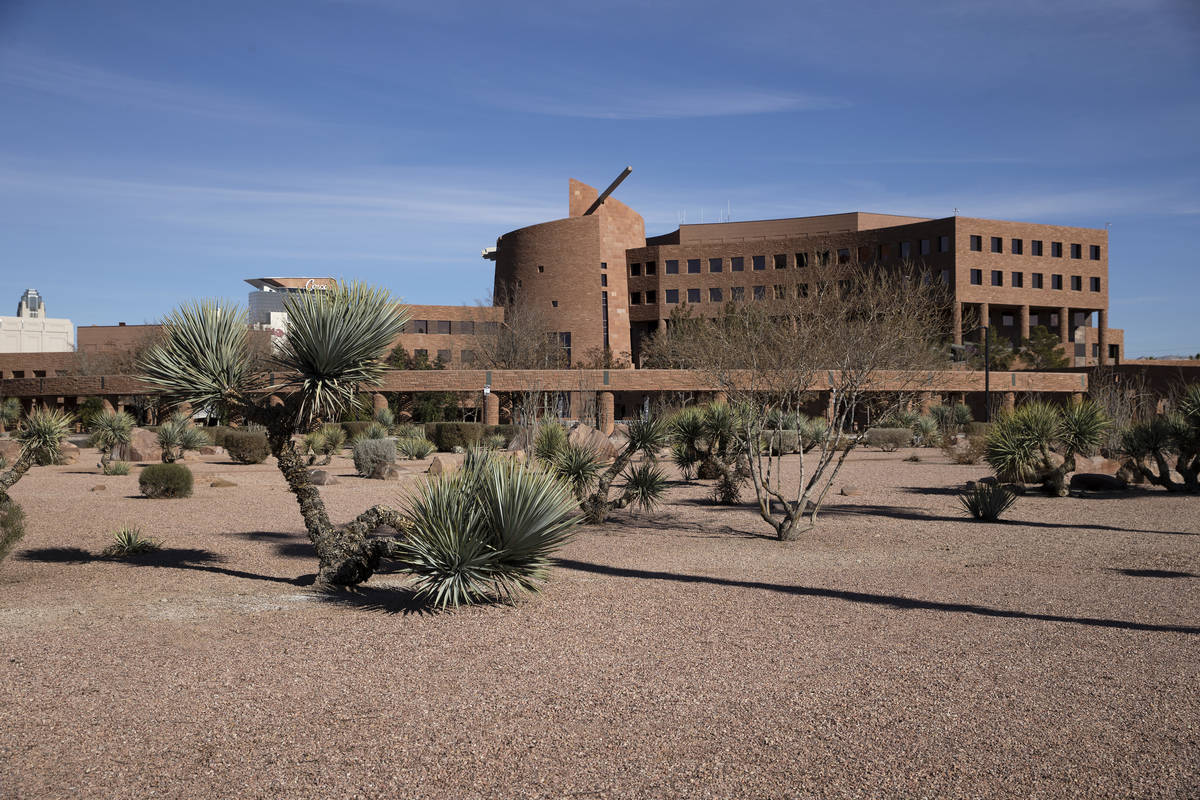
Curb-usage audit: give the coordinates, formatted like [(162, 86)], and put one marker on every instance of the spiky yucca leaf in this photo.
[(550, 439), (645, 485), (685, 459), (110, 428), (414, 447), (579, 466), (987, 501), (648, 435), (336, 342), (1082, 427), (43, 430), (334, 437), (201, 358), (1011, 452), (129, 541), (177, 434)]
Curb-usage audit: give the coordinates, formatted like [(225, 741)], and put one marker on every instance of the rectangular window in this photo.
[(997, 244), (635, 269), (760, 262), (693, 266), (925, 247), (823, 258), (467, 356), (780, 261), (603, 265), (946, 277), (1035, 247), (943, 244), (977, 277), (1018, 247), (1006, 320), (651, 297), (1076, 251), (1076, 283), (1018, 279), (714, 294), (463, 327), (443, 326), (737, 294), (420, 326), (421, 354), (843, 255), (444, 356), (801, 259), (693, 295), (1114, 352), (905, 251), (802, 290), (977, 244), (1035, 280), (1094, 284), (760, 293), (715, 264), (737, 264), (881, 252), (1056, 249), (603, 320), (780, 292), (635, 298), (651, 267), (1056, 281), (997, 278), (1094, 252), (672, 296), (604, 280), (672, 266)]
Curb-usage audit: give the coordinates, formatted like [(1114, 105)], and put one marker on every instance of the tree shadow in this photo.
[(190, 558), (868, 598), (920, 516), (383, 599), (1154, 573), (699, 530)]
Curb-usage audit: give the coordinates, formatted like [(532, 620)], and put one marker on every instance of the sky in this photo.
[(153, 152)]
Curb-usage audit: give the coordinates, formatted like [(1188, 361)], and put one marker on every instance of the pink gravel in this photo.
[(898, 651)]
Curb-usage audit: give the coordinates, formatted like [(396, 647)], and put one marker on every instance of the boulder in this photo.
[(221, 483), (1098, 465), (850, 490), (211, 450), (385, 472), (1097, 482), (587, 436), (99, 487), (70, 453), (1131, 473), (320, 477), (142, 448), (439, 465)]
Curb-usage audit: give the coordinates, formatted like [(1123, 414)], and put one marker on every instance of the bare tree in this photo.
[(844, 333)]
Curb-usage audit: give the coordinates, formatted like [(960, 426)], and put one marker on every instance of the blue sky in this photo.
[(156, 151)]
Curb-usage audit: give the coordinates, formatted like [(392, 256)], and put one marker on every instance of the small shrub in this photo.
[(782, 442), (409, 431), (12, 525), (414, 448), (371, 454), (449, 435), (889, 439), (970, 451), (116, 468), (247, 447), (495, 441), (979, 428), (355, 428), (728, 490), (160, 481), (987, 501), (128, 541), (385, 417), (373, 430)]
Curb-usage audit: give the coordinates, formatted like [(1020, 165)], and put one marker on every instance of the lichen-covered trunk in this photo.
[(14, 473)]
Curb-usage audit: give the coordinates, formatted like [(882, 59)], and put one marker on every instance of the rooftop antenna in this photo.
[(956, 212), (604, 195)]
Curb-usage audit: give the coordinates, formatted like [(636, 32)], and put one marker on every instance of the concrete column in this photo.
[(985, 312), (957, 323), (1102, 335), (1009, 401), (720, 398), (1076, 398), (1064, 330), (275, 400), (1024, 327), (491, 409), (662, 324), (378, 401), (606, 411), (107, 404), (926, 401)]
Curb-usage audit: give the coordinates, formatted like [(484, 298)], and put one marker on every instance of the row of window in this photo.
[(883, 252), (1017, 247), (457, 327), (1036, 280), (445, 356)]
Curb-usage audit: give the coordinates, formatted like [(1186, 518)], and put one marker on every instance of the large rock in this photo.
[(221, 483), (385, 472), (211, 450), (1098, 465), (320, 477), (439, 465), (587, 436), (142, 448), (70, 453), (10, 450), (1097, 482), (850, 490)]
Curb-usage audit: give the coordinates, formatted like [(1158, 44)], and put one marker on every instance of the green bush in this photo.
[(166, 481), (549, 441), (970, 451), (781, 442), (247, 447), (979, 428), (356, 428), (486, 531), (449, 435), (370, 454), (116, 468), (889, 439), (12, 525), (128, 541), (414, 447), (987, 501)]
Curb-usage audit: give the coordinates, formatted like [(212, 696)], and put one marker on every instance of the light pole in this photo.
[(987, 373)]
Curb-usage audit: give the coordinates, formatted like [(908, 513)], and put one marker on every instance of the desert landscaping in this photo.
[(899, 649)]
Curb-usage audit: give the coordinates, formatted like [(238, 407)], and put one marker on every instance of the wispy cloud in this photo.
[(666, 103), (100, 86)]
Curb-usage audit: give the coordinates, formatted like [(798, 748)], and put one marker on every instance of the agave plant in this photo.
[(109, 430), (40, 435), (384, 417), (927, 432), (129, 541), (335, 345), (485, 532), (177, 435), (987, 501), (414, 447), (1169, 444), (1038, 442)]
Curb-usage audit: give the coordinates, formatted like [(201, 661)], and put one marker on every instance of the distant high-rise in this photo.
[(31, 332), (32, 305)]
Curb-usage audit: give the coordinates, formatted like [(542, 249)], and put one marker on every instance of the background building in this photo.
[(31, 331)]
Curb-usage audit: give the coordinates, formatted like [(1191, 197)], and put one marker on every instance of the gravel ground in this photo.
[(898, 651)]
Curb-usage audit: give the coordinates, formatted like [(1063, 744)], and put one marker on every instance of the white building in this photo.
[(31, 331), (266, 304)]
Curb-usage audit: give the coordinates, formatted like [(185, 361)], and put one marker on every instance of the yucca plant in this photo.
[(129, 541), (550, 439), (414, 448), (579, 466), (177, 435), (646, 437), (374, 430), (117, 468), (40, 435), (987, 501), (685, 459), (335, 345), (926, 432), (1170, 443), (384, 417), (1038, 442), (109, 430), (10, 412), (12, 525), (485, 532), (326, 441)]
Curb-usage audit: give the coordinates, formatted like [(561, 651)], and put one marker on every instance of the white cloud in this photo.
[(666, 103)]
